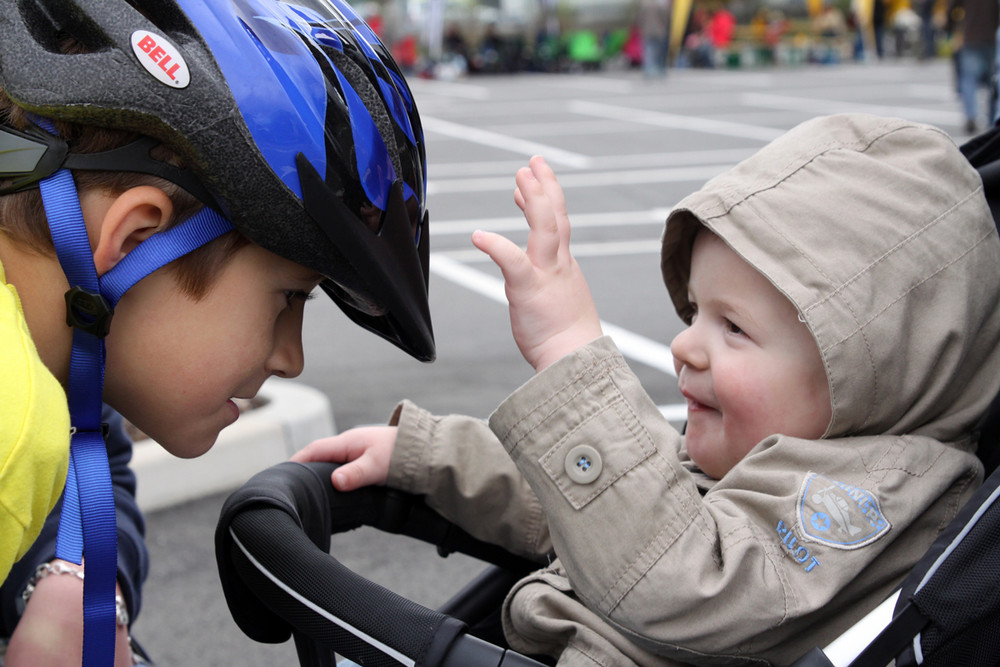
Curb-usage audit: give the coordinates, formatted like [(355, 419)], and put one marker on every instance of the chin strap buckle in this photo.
[(88, 311)]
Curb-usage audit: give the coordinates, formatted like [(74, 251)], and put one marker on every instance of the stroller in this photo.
[(273, 541)]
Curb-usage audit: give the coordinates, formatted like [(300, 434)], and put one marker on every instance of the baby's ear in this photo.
[(131, 218)]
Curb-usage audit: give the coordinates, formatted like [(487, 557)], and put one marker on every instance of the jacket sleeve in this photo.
[(133, 557), (731, 572), (459, 466)]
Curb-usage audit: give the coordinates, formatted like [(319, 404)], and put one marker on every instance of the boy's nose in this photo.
[(287, 358), (687, 351)]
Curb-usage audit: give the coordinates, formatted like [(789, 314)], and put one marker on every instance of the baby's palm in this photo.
[(551, 310)]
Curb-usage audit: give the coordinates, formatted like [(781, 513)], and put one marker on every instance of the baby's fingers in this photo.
[(543, 173), (519, 198), (358, 473), (553, 192), (333, 449), (364, 459), (531, 198), (513, 263)]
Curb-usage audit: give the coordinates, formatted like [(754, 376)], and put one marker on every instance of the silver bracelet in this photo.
[(59, 567)]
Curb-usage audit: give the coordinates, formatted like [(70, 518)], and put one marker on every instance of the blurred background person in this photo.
[(975, 26), (654, 26)]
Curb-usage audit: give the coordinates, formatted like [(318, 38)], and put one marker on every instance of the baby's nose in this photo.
[(687, 350)]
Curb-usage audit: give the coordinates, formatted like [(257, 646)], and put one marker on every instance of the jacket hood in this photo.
[(878, 231)]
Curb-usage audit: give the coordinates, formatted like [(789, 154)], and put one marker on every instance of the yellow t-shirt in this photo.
[(34, 434)]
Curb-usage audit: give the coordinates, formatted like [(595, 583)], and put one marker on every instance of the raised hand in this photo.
[(551, 310)]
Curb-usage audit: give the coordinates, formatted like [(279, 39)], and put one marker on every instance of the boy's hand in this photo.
[(50, 632), (551, 310), (365, 453)]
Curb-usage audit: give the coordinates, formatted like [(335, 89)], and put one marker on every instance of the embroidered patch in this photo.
[(840, 515)]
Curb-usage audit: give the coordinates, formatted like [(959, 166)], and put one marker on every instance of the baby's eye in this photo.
[(733, 328)]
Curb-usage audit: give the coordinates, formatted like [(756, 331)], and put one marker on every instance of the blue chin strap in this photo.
[(87, 526)]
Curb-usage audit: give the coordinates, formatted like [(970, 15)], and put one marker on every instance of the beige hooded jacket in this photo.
[(879, 233)]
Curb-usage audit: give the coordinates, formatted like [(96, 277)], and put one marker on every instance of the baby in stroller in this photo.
[(840, 291)]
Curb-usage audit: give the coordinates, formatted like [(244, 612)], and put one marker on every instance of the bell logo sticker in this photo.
[(839, 515), (160, 58)]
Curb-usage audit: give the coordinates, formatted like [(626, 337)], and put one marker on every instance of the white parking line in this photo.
[(602, 84), (814, 105), (931, 92), (599, 249), (516, 223), (466, 91), (505, 142), (697, 174), (507, 168), (632, 345), (674, 121)]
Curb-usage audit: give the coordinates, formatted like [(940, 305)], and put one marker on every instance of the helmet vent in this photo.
[(372, 100)]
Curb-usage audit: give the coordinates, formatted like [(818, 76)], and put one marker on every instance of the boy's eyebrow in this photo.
[(310, 276)]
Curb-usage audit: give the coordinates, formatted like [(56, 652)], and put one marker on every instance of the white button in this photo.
[(583, 464)]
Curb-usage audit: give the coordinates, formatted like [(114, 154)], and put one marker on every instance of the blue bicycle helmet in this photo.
[(294, 121)]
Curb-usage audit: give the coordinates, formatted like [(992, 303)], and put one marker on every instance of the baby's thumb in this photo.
[(505, 254), (349, 476)]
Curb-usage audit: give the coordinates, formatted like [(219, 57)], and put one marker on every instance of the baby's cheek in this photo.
[(740, 390), (748, 413)]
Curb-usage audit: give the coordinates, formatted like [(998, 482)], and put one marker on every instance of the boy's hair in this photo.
[(23, 219)]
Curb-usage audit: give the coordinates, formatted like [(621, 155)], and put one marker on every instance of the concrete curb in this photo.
[(294, 415)]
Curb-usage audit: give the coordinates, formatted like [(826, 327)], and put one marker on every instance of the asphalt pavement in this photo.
[(626, 150)]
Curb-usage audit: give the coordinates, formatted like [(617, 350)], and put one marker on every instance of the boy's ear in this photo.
[(131, 218)]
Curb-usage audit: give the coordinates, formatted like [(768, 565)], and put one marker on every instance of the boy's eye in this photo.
[(291, 296)]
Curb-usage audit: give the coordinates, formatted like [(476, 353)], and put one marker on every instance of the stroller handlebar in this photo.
[(272, 550)]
